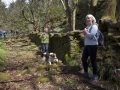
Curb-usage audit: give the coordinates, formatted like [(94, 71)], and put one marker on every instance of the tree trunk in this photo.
[(68, 13), (118, 11), (73, 16), (93, 7), (71, 13), (108, 17), (109, 13)]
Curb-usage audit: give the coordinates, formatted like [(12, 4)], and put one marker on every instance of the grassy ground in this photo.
[(24, 71)]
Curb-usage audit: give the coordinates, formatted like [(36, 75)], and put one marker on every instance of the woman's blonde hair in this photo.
[(92, 17)]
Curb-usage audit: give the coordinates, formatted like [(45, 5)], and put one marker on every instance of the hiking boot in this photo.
[(85, 74), (93, 80)]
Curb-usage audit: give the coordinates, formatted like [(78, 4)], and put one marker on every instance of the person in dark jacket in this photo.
[(4, 34), (0, 33)]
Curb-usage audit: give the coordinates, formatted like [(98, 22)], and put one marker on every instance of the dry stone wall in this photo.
[(63, 44)]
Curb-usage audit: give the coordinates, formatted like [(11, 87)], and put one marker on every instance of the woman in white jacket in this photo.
[(90, 46)]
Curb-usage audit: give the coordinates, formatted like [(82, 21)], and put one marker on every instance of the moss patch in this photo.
[(41, 67), (43, 79), (26, 71), (4, 77)]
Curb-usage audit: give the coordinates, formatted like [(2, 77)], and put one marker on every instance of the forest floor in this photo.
[(24, 74)]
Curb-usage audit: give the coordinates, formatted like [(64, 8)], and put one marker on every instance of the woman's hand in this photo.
[(85, 31)]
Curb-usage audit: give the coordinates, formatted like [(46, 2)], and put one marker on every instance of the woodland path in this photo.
[(22, 69)]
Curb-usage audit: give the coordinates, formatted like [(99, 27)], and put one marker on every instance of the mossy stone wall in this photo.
[(63, 44)]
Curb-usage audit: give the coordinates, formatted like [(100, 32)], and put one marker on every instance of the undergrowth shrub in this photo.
[(71, 60), (108, 61)]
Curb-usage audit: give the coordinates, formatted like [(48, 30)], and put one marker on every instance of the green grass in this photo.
[(69, 81), (3, 55)]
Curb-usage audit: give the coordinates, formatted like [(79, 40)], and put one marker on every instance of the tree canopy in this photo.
[(37, 14)]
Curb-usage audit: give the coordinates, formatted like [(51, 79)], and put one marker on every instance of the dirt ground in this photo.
[(22, 69)]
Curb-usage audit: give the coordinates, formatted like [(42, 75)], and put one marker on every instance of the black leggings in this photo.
[(90, 50)]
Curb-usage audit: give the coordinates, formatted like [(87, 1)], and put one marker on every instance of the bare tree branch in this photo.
[(63, 4)]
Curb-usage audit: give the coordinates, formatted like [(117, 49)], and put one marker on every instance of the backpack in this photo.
[(100, 37)]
